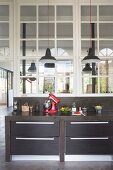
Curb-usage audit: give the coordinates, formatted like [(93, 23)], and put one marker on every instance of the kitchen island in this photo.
[(58, 135)]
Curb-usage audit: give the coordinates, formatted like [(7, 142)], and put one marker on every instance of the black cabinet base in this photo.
[(63, 133), (88, 146), (35, 147)]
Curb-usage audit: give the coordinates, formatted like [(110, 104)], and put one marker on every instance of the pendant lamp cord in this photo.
[(48, 23), (90, 27)]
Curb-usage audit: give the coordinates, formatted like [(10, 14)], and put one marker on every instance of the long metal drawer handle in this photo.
[(106, 138), (34, 138), (37, 123), (89, 123)]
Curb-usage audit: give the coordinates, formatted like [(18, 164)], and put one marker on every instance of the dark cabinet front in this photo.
[(35, 146), (92, 146), (58, 136), (99, 129), (89, 137), (34, 129), (35, 138)]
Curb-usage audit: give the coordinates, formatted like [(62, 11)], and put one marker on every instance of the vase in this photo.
[(65, 113), (99, 112)]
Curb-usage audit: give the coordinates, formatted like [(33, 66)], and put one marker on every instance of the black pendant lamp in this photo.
[(32, 68), (87, 68), (32, 79), (48, 58), (49, 65), (90, 58)]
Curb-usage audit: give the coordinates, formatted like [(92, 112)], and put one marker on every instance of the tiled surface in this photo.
[(88, 102), (43, 165)]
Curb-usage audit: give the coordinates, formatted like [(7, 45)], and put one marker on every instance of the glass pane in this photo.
[(89, 69), (3, 86), (6, 65), (30, 30), (64, 30), (105, 48), (46, 13), (28, 13), (89, 85), (64, 84), (106, 67), (46, 30), (28, 48), (64, 68), (10, 82), (4, 12), (64, 13), (86, 30), (4, 30), (104, 85), (65, 48), (85, 13), (4, 48), (105, 30), (43, 71), (30, 85), (106, 13), (110, 83), (64, 76), (86, 70), (46, 84), (85, 45), (24, 65), (43, 45)]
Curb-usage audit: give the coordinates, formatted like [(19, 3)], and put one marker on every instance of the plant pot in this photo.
[(65, 113)]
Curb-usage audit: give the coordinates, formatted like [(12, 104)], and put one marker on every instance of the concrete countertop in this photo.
[(105, 117)]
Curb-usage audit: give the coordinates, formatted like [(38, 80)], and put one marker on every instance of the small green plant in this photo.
[(65, 110)]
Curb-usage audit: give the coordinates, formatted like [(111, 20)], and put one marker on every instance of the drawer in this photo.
[(35, 129), (89, 146), (35, 146), (77, 129)]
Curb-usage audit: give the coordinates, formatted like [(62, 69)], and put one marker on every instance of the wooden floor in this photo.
[(44, 165)]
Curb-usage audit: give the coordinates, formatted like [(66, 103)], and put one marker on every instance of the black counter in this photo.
[(93, 117)]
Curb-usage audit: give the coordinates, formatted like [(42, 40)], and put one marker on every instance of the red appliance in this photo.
[(50, 107)]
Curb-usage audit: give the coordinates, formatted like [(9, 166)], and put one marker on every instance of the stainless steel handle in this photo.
[(36, 123), (91, 138), (89, 123), (18, 138)]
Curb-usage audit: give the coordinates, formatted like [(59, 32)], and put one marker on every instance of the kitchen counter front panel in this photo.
[(35, 146), (88, 145), (34, 129), (89, 128), (48, 135)]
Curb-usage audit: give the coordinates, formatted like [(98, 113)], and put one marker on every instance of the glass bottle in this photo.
[(73, 108)]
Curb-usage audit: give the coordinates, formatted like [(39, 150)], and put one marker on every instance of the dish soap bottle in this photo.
[(73, 108)]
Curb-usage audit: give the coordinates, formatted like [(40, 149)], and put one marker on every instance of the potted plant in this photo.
[(65, 111)]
